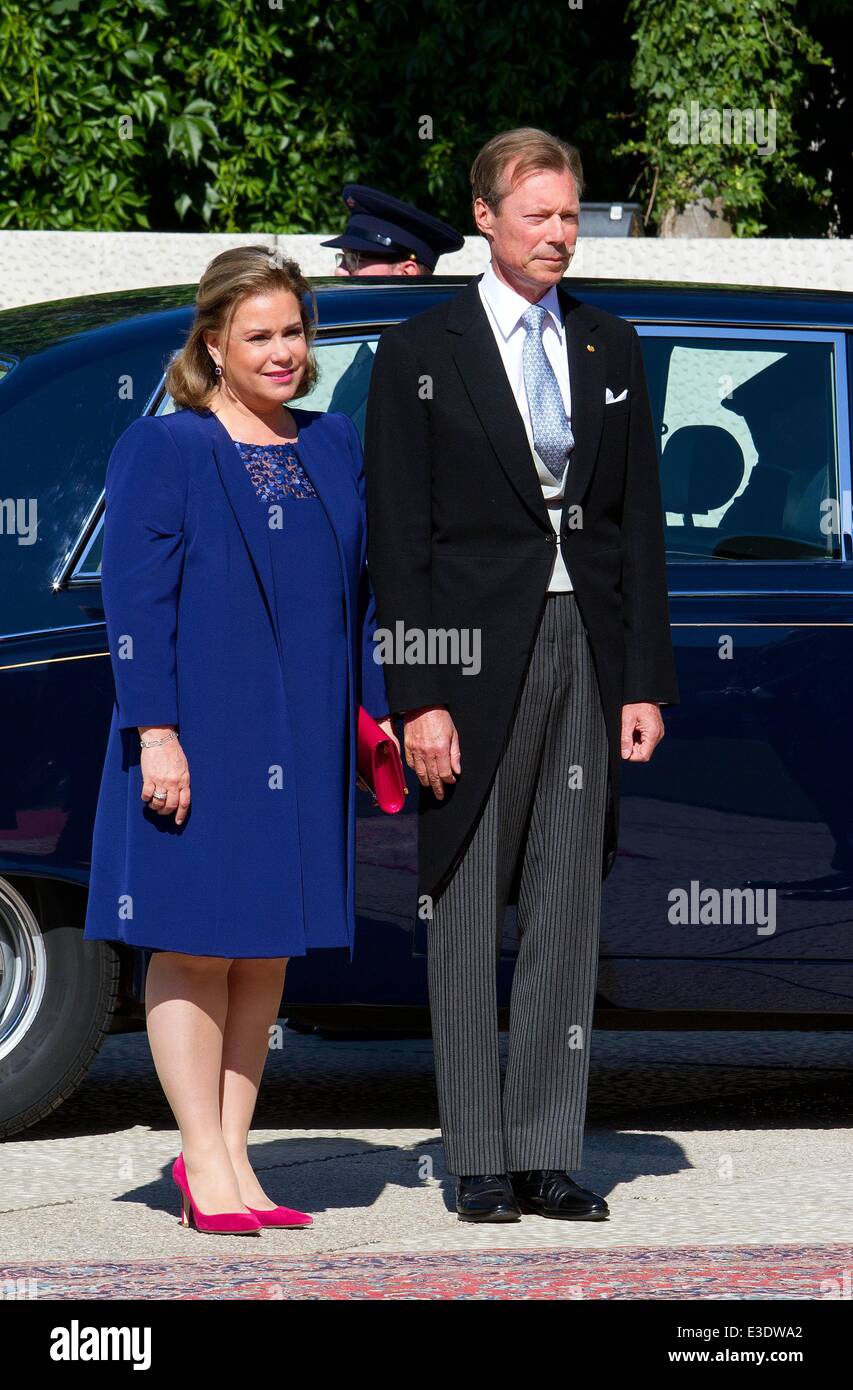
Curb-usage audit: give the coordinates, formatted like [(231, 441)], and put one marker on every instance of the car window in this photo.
[(747, 434), (90, 560), (747, 438), (343, 379)]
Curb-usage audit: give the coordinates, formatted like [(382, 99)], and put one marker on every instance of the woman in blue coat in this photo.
[(240, 621)]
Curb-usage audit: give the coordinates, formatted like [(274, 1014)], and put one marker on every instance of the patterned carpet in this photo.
[(684, 1272)]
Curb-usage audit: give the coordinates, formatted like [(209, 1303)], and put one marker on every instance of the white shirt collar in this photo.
[(508, 305)]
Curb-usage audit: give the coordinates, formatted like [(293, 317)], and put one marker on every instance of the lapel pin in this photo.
[(590, 348)]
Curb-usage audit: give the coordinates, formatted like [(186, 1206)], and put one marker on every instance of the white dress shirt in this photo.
[(504, 308)]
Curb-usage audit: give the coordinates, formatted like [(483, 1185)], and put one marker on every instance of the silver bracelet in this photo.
[(155, 742)]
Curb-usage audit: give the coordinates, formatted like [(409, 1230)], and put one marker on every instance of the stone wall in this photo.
[(38, 266)]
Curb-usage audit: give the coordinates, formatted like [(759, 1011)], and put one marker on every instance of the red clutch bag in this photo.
[(380, 770)]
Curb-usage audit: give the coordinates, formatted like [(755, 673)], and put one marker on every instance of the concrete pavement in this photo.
[(694, 1138)]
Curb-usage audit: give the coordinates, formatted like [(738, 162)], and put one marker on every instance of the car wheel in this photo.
[(57, 994)]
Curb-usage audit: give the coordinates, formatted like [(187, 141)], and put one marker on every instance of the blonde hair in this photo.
[(231, 277), (533, 149)]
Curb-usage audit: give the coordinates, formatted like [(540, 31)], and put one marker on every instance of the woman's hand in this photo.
[(387, 727), (165, 769)]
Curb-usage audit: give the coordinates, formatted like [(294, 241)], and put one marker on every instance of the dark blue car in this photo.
[(732, 896)]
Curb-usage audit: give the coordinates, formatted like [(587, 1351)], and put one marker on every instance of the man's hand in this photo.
[(642, 731), (432, 747)]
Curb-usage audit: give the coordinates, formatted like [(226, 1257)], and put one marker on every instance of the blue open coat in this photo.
[(189, 601)]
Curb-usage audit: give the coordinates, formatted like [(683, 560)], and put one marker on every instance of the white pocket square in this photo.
[(610, 399)]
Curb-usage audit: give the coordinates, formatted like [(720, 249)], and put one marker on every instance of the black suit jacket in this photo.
[(459, 536)]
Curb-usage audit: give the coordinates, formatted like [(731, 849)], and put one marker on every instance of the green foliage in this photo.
[(249, 115), (734, 54), (131, 113), (237, 116)]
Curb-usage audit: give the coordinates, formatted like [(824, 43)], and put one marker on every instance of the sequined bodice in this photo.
[(275, 470)]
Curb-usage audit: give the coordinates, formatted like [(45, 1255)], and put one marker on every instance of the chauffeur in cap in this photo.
[(384, 236)]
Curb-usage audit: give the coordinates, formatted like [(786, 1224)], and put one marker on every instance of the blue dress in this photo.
[(237, 627), (309, 589)]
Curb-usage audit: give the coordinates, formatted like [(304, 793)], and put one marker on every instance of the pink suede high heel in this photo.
[(234, 1223), (282, 1216)]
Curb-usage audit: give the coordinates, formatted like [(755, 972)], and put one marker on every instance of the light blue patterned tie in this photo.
[(552, 432)]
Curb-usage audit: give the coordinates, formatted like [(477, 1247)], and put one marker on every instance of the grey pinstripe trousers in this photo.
[(547, 802)]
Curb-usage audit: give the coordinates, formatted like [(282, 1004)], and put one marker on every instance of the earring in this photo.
[(217, 371)]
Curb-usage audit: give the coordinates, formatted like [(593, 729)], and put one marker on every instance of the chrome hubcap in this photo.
[(23, 967)]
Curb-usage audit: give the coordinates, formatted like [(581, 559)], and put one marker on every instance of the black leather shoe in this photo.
[(486, 1197), (551, 1192)]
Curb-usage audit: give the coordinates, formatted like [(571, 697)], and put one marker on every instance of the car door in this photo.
[(733, 887)]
